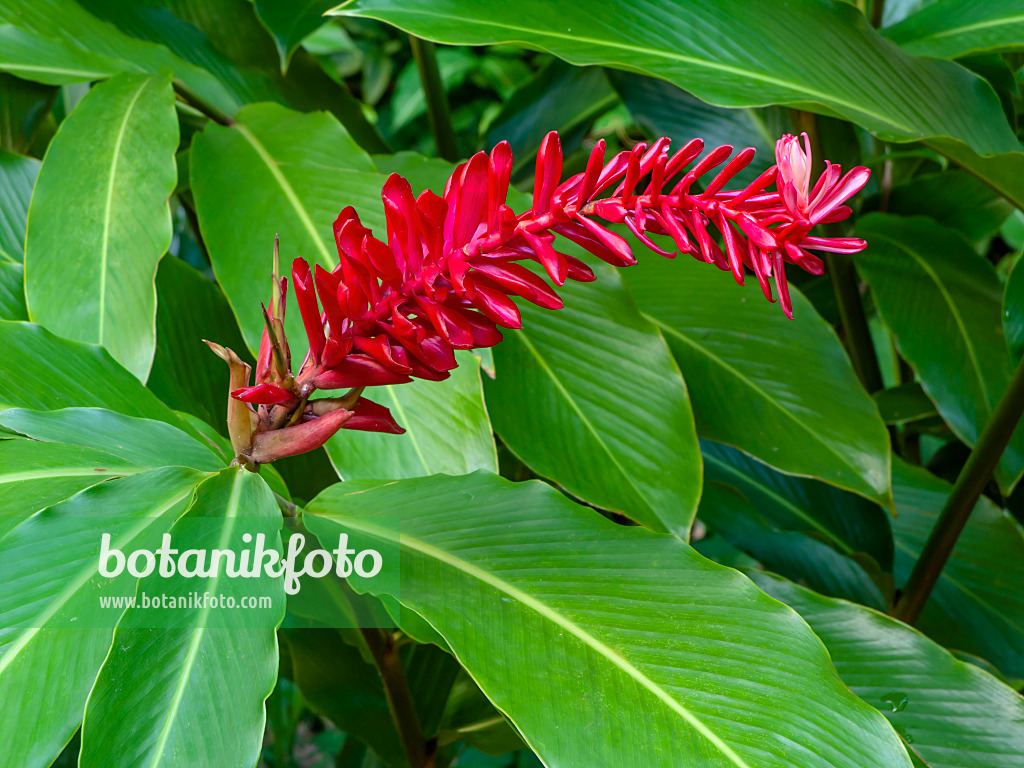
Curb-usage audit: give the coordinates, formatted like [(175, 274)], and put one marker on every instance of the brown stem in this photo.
[(396, 691), (200, 104)]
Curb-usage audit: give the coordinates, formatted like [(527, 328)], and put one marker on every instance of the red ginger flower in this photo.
[(443, 277)]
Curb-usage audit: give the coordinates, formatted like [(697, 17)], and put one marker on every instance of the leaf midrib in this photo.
[(552, 615), (199, 630), (1002, 21), (15, 647), (587, 423), (105, 238), (79, 471), (636, 49), (289, 192), (674, 332), (953, 310)]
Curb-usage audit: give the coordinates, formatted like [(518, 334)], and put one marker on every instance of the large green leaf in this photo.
[(47, 570), (190, 692), (650, 655), (590, 397), (59, 41), (144, 442), (17, 177), (12, 292), (977, 605), (783, 391), (953, 714), (942, 302), (727, 53), (289, 22), (34, 475), (43, 372), (185, 374), (950, 29), (453, 439), (276, 172), (91, 256)]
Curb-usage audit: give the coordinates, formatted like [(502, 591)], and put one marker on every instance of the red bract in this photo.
[(444, 275)]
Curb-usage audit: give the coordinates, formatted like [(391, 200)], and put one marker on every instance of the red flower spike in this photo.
[(443, 275)]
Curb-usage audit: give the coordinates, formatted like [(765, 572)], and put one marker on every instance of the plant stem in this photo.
[(403, 712), (877, 11), (200, 104), (437, 100), (958, 507)]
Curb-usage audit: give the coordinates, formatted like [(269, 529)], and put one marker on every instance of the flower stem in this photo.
[(877, 11), (385, 654), (437, 100), (958, 507), (855, 323)]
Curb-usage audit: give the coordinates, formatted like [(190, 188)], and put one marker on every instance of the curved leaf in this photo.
[(53, 62), (977, 605), (290, 22), (89, 48), (953, 714), (276, 172), (17, 177), (201, 701), (453, 440), (727, 53), (658, 656), (783, 391), (47, 566), (43, 372), (144, 442), (91, 256), (950, 29), (34, 475), (942, 302), (590, 397)]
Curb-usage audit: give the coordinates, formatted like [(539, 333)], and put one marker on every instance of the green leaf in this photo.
[(783, 391), (43, 372), (662, 109), (977, 605), (950, 29), (559, 97), (590, 397), (1013, 313), (24, 110), (953, 714), (47, 566), (904, 403), (17, 177), (12, 292), (447, 431), (91, 256), (185, 374), (727, 54), (291, 22), (800, 555), (956, 199), (52, 62), (834, 526), (609, 620), (192, 693), (942, 302), (34, 475), (88, 44), (276, 172), (144, 442), (408, 102)]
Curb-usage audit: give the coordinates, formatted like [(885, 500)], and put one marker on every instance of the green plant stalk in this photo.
[(198, 103), (877, 11), (438, 112), (958, 507)]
